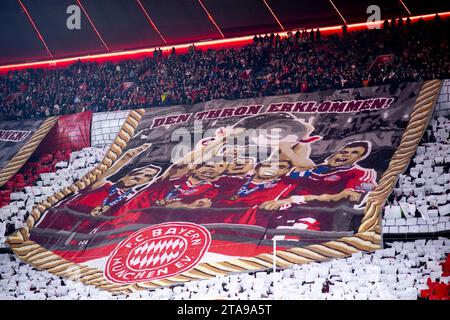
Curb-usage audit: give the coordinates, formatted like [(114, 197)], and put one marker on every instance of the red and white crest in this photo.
[(157, 252), (332, 178)]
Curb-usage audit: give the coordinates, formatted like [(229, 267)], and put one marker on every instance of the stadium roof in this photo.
[(37, 31)]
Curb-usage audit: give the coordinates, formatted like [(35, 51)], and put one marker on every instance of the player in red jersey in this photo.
[(190, 181), (193, 190), (240, 167), (111, 191), (338, 178), (265, 184), (108, 195), (245, 194)]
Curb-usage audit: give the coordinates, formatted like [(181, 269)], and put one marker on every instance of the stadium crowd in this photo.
[(271, 65), (401, 271)]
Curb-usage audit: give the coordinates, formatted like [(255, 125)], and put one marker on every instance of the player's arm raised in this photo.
[(125, 158), (210, 149), (298, 154)]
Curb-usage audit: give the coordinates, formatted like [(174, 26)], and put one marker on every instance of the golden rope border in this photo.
[(42, 258), (22, 156), (367, 239), (414, 131)]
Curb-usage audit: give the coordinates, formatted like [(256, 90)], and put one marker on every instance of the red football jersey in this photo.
[(86, 200), (253, 194), (328, 180), (168, 190)]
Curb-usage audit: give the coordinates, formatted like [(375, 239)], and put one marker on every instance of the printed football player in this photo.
[(120, 163), (193, 190), (240, 168), (265, 184), (110, 192), (338, 178), (189, 182), (204, 151), (211, 147), (267, 131), (111, 195), (176, 171)]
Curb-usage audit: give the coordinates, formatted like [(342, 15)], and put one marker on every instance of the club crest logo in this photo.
[(158, 252), (367, 186)]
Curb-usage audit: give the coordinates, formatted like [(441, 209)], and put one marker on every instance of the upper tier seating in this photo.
[(270, 66)]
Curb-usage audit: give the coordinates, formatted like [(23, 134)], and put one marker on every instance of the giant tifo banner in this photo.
[(193, 192), (18, 140)]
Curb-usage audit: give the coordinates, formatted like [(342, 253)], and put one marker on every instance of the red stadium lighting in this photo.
[(337, 10), (151, 21), (35, 28), (211, 18), (273, 14), (93, 25), (404, 5), (220, 43)]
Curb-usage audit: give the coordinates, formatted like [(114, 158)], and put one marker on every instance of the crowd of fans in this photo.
[(271, 65)]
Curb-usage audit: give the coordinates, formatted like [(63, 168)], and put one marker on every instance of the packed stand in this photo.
[(407, 271), (50, 175), (271, 65), (30, 172)]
